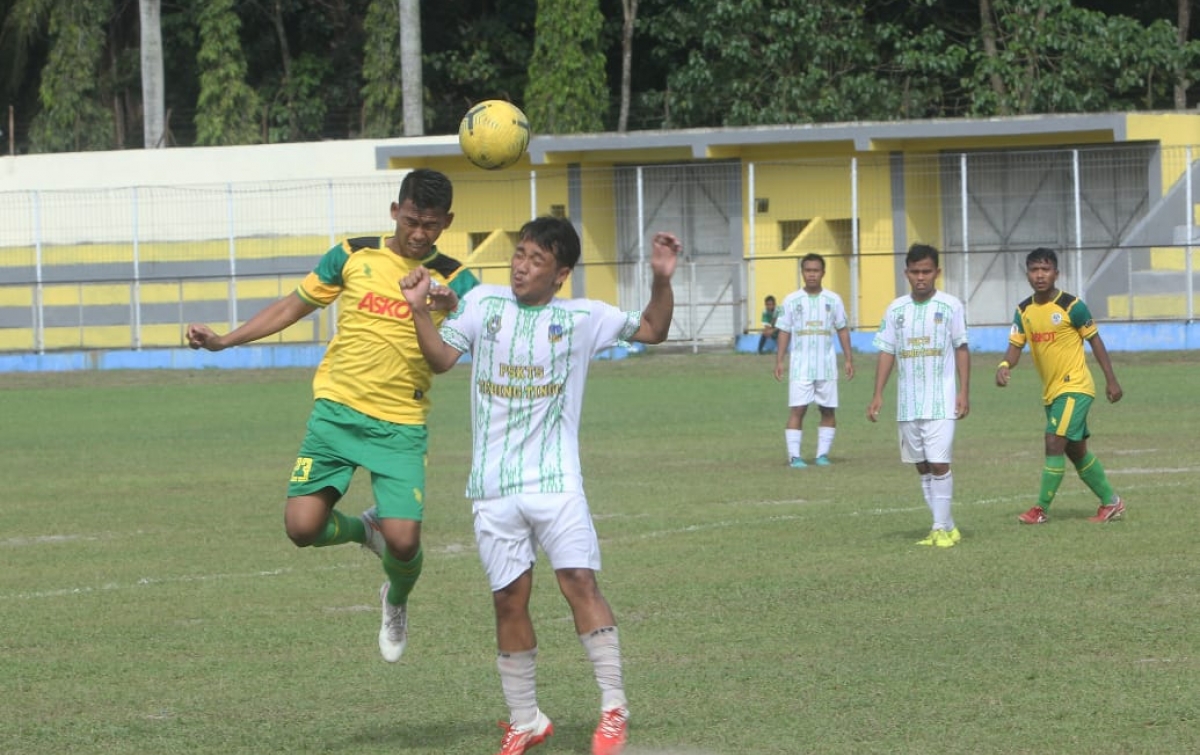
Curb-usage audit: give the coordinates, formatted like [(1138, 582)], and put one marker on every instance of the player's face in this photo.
[(535, 274), (1042, 275), (417, 230), (812, 272), (922, 278)]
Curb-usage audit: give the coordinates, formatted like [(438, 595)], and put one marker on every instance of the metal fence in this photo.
[(129, 267)]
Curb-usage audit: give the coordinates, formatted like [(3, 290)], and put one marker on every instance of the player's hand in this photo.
[(849, 370), (664, 254), (1113, 391), (1002, 375), (203, 337), (962, 407), (442, 298), (873, 409), (778, 372), (415, 287)]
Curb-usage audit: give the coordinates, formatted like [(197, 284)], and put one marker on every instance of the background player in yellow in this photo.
[(1055, 324), (371, 391)]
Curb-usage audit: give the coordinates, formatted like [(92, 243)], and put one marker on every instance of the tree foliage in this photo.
[(292, 70), (227, 109), (73, 117), (567, 92), (382, 87)]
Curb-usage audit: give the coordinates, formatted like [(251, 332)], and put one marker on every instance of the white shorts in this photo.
[(509, 530), (929, 440), (804, 392)]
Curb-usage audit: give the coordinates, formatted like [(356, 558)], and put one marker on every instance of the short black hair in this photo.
[(1042, 254), (556, 235), (812, 257), (769, 300), (918, 252), (428, 190)]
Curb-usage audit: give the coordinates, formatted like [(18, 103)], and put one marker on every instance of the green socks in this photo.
[(1052, 476), (1091, 471), (339, 529), (402, 575)]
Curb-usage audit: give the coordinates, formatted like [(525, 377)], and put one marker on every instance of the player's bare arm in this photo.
[(416, 288), (1004, 370), (1112, 388), (273, 318), (844, 340), (962, 363), (656, 317), (781, 350), (883, 370)]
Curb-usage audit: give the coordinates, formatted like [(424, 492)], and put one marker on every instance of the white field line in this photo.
[(460, 549)]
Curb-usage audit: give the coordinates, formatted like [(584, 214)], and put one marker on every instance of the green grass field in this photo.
[(150, 602)]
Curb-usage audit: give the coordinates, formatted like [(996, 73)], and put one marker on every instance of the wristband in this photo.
[(1003, 365)]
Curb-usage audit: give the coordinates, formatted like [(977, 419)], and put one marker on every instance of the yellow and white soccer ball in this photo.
[(494, 134)]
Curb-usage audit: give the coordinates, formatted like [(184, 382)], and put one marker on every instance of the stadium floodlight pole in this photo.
[(1080, 284)]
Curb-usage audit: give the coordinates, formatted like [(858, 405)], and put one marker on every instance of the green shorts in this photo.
[(339, 440), (1067, 416)]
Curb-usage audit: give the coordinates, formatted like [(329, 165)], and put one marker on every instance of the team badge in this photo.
[(1056, 318), (555, 333), (938, 317), (493, 327), (900, 320)]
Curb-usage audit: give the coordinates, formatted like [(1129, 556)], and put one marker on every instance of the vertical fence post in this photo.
[(693, 315), (533, 211), (640, 276), (1080, 282), (1190, 222), (330, 312), (136, 299), (854, 247), (233, 306), (964, 196), (39, 293), (751, 252)]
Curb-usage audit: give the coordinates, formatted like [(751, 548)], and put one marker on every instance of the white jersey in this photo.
[(812, 322), (528, 369), (923, 336)]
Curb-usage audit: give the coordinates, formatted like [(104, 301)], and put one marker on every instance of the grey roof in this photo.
[(699, 141)]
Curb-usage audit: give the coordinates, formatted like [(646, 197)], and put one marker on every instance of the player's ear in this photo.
[(449, 220), (395, 210)]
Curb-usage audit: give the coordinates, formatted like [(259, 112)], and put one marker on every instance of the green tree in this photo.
[(567, 92), (382, 88), (1048, 56), (73, 114), (227, 109)]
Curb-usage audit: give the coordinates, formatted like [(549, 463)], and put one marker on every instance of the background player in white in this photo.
[(530, 352), (810, 317), (924, 335)]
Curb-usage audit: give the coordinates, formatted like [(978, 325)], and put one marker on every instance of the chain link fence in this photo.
[(128, 268)]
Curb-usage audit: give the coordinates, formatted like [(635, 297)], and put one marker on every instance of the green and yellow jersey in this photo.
[(1055, 332), (373, 364)]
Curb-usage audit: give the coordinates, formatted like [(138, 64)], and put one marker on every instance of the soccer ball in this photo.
[(494, 134)]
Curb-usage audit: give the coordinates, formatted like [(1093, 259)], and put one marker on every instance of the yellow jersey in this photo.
[(373, 364), (1055, 332)]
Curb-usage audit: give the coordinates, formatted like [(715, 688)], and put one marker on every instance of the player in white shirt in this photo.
[(530, 352), (924, 336), (810, 319)]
